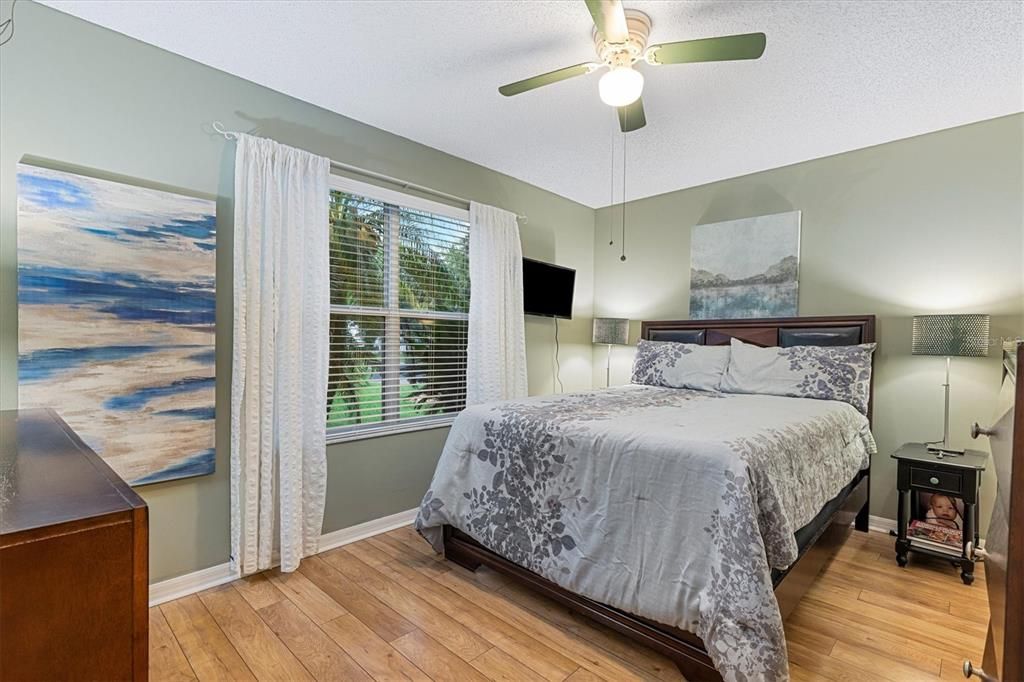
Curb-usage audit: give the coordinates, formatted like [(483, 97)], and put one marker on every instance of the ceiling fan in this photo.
[(620, 37)]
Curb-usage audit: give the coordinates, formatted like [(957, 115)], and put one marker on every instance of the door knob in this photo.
[(977, 430), (971, 671)]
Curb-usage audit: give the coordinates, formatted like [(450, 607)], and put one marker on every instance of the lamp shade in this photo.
[(614, 330), (951, 335)]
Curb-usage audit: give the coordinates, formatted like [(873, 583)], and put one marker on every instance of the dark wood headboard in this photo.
[(839, 330)]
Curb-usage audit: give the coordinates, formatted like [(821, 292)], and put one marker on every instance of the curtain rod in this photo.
[(233, 135)]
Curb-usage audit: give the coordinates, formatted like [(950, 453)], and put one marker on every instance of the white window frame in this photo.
[(392, 313)]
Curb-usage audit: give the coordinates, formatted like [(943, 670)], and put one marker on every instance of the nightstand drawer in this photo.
[(946, 481)]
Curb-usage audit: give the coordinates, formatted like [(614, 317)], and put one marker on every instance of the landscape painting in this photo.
[(745, 268), (116, 305)]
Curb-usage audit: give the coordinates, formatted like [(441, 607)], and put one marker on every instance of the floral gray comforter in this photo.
[(667, 503)]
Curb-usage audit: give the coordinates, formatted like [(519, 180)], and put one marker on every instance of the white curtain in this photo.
[(279, 364), (496, 366)]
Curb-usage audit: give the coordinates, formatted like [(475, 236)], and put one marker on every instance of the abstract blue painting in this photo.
[(116, 306)]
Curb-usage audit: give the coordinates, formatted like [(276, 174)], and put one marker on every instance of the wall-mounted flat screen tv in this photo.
[(547, 289)]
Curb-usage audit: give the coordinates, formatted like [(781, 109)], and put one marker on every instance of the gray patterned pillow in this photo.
[(679, 365), (824, 372)]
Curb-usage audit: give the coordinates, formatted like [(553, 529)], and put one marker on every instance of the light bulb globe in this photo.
[(621, 86)]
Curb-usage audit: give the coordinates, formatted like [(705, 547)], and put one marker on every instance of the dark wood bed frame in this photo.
[(684, 648)]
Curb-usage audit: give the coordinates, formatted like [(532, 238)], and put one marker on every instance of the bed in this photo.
[(667, 514)]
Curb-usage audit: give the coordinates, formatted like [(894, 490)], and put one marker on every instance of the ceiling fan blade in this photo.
[(631, 116), (548, 78), (609, 19), (725, 48)]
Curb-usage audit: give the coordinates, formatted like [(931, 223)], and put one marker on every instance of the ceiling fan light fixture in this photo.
[(621, 86)]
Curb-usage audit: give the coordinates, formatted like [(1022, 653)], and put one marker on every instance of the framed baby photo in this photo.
[(939, 509), (938, 520)]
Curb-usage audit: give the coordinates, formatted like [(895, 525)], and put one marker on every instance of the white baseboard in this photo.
[(190, 583), (204, 579), (881, 524), (345, 536)]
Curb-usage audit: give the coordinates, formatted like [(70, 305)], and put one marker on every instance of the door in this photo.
[(1004, 545)]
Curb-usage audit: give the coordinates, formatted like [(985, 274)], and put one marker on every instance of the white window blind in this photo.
[(399, 311)]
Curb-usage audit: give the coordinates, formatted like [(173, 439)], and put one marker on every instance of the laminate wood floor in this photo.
[(387, 608)]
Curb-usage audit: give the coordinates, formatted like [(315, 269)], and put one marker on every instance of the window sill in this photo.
[(379, 431)]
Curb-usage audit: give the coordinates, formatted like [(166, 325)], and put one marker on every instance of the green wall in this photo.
[(927, 224), (77, 96)]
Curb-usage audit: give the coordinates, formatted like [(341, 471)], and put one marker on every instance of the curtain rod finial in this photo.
[(219, 128)]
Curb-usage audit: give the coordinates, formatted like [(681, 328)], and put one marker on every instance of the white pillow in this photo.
[(680, 365), (823, 372)]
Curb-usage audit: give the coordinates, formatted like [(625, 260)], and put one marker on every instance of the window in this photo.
[(399, 311)]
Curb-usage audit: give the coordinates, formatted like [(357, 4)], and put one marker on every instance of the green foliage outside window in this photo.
[(428, 351)]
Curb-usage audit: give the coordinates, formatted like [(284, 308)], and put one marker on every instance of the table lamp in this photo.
[(964, 336), (612, 331)]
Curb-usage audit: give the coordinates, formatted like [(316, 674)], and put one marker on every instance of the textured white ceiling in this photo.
[(836, 75)]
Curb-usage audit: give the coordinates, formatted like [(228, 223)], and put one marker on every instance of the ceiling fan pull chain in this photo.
[(623, 240), (611, 198)]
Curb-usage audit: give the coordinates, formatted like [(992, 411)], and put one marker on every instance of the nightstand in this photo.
[(920, 470)]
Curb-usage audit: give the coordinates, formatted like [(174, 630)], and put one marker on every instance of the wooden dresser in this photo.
[(74, 555)]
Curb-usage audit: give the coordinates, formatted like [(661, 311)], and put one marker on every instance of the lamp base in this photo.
[(608, 369), (941, 450)]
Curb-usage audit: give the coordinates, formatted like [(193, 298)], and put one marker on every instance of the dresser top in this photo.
[(48, 476)]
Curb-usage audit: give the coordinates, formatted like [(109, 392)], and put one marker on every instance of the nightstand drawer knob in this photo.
[(933, 480)]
